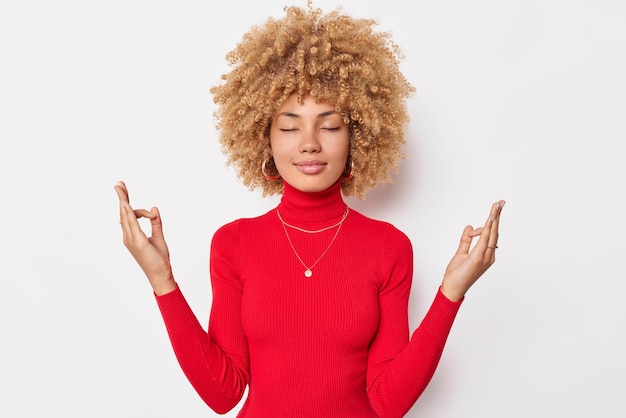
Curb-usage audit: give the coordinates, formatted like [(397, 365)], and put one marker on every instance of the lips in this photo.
[(311, 166)]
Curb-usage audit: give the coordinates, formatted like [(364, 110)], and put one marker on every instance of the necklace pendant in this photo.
[(308, 273)]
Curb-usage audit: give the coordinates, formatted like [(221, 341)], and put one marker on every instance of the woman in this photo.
[(310, 299)]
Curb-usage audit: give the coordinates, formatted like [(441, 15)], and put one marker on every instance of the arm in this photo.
[(398, 369), (216, 363), (399, 372)]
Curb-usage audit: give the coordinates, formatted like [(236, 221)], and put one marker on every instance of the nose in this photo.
[(309, 141)]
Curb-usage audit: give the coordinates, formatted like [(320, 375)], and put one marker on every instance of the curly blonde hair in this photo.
[(336, 59)]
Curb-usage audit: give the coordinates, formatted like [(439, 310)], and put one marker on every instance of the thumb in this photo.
[(157, 239), (466, 240), (155, 222)]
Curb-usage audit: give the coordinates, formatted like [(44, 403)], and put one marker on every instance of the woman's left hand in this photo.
[(467, 266)]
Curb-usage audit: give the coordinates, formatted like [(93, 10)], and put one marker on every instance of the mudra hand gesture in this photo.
[(151, 253), (467, 266)]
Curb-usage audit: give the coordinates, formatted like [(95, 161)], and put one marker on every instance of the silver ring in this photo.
[(494, 247)]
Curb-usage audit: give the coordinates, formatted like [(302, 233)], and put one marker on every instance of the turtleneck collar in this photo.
[(312, 209)]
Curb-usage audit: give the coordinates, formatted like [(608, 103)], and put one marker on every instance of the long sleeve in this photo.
[(335, 344), (215, 362), (399, 370)]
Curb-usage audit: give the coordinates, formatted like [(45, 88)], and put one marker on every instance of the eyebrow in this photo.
[(295, 115)]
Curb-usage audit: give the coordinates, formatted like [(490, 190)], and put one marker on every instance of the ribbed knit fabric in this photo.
[(335, 345)]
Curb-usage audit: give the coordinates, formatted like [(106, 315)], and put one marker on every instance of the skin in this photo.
[(151, 253), (468, 264), (309, 144)]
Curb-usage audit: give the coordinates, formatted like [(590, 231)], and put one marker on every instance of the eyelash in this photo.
[(326, 129)]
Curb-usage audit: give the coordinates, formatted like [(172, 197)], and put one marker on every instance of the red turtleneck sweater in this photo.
[(332, 345)]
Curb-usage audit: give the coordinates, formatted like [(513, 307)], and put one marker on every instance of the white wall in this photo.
[(520, 100)]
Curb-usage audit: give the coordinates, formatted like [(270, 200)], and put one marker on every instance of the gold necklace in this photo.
[(314, 231), (308, 271)]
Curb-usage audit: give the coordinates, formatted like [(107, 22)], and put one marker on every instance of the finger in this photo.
[(494, 234), (121, 194), (142, 213), (466, 240), (133, 234), (125, 208), (476, 232), (157, 238), (127, 216), (124, 205), (483, 241), (155, 222), (122, 191), (123, 186)]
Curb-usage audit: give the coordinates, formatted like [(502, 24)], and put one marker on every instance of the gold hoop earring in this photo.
[(350, 174), (267, 176)]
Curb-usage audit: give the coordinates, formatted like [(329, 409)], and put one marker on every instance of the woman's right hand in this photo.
[(151, 253)]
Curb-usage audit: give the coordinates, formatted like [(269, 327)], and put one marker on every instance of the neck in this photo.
[(312, 210)]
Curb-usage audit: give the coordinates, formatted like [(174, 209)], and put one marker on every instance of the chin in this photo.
[(312, 183), (311, 186), (311, 189)]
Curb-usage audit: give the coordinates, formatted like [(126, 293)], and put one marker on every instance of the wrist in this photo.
[(164, 288), (163, 285), (453, 293)]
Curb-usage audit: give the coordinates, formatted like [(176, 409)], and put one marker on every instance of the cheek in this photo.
[(275, 146), (281, 153), (343, 150), (279, 149)]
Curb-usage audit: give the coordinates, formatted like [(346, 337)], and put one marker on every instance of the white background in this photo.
[(519, 100)]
